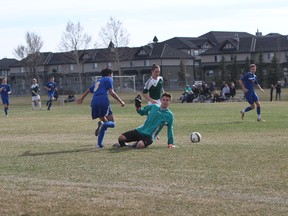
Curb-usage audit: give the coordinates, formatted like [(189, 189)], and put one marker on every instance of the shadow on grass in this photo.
[(222, 123), (29, 153)]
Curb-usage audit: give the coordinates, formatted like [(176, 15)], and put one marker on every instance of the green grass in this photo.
[(49, 164)]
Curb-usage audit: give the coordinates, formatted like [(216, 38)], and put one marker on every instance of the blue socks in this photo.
[(109, 124)]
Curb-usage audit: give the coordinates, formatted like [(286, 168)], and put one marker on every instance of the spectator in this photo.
[(278, 90)]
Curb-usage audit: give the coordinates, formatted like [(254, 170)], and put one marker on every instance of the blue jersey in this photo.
[(51, 88), (249, 79), (100, 102), (4, 93)]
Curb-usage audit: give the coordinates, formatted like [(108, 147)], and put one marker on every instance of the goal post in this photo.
[(123, 83)]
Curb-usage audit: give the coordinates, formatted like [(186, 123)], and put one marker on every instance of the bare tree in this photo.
[(115, 37), (76, 41), (30, 54)]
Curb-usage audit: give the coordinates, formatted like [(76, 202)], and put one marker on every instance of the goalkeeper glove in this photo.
[(138, 101)]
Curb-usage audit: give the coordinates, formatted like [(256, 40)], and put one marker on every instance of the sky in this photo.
[(142, 19)]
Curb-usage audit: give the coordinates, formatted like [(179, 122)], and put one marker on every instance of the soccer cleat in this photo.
[(99, 128), (116, 145), (242, 114), (99, 147), (260, 119)]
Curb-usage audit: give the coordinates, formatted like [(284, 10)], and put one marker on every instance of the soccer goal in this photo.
[(123, 83)]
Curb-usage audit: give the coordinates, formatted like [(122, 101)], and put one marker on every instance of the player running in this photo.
[(5, 91), (35, 95), (51, 88), (100, 104), (247, 83)]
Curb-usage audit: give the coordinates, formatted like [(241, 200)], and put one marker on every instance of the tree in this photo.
[(246, 65), (260, 68), (30, 54), (223, 71), (115, 37), (274, 73), (76, 41), (234, 70), (181, 73)]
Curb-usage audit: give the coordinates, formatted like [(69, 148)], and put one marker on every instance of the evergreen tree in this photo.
[(234, 71), (181, 73), (274, 72), (260, 68), (223, 71)]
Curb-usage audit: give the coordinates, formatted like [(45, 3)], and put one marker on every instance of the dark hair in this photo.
[(106, 72), (154, 66), (166, 94), (252, 65)]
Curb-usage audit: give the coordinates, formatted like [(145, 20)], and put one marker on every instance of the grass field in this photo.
[(49, 164)]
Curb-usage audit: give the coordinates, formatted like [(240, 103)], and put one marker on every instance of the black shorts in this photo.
[(134, 135)]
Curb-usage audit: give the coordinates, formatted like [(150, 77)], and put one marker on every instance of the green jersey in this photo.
[(157, 118), (34, 89), (154, 87)]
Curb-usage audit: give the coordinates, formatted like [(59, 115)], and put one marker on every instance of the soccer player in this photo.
[(5, 91), (153, 88), (51, 88), (100, 104), (35, 95), (158, 116), (247, 83)]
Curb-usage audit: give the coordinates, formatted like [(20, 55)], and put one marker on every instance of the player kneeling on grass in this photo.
[(100, 104), (158, 116)]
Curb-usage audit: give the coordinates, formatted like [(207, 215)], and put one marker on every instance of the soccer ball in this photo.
[(195, 137)]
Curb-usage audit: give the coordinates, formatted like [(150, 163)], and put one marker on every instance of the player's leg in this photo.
[(39, 102), (6, 106), (49, 102), (250, 100), (33, 104)]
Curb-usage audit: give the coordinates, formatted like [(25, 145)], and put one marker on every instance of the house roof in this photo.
[(161, 51), (250, 44), (220, 36), (6, 63)]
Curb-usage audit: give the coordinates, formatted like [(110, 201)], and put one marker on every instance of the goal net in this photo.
[(123, 83)]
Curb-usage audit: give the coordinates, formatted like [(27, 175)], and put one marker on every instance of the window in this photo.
[(217, 58), (109, 64), (131, 63), (228, 46), (94, 66), (22, 70), (58, 68), (270, 56), (142, 52), (71, 67), (146, 63), (210, 73)]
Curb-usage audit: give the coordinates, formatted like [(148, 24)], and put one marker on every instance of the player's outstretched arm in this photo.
[(116, 97), (80, 100)]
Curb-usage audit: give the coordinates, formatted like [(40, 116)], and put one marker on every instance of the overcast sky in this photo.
[(143, 19)]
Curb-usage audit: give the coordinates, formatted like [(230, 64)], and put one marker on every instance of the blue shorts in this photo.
[(5, 100), (100, 108), (251, 97)]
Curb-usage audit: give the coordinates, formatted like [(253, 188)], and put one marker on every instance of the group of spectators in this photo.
[(208, 92)]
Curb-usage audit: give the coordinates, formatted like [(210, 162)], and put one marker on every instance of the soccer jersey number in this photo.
[(96, 86)]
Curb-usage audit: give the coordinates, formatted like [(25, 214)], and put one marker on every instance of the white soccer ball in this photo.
[(195, 137)]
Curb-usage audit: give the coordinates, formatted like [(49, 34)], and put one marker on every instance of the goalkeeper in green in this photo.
[(158, 116)]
